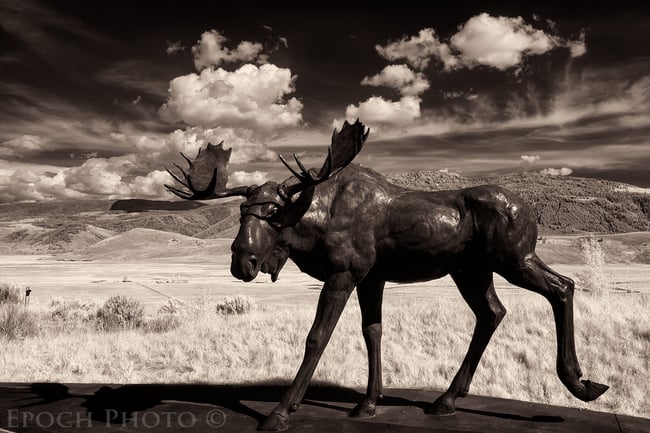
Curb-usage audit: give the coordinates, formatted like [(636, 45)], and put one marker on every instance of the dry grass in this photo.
[(10, 293), (424, 343), (17, 322)]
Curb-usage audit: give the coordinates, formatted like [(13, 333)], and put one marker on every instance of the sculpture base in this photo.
[(239, 408)]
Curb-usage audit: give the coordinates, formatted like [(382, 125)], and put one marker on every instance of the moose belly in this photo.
[(411, 266)]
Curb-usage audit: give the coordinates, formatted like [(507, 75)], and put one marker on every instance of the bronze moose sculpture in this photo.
[(347, 226)]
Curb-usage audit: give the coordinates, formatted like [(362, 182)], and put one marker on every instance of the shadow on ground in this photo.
[(242, 407)]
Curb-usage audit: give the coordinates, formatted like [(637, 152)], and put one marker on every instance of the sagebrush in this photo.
[(235, 305), (72, 311), (120, 312), (593, 279)]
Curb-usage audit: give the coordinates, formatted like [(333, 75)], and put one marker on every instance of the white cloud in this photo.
[(23, 144), (564, 171), (530, 159), (18, 186), (400, 78), (150, 186), (210, 51), (97, 176), (418, 50), (151, 152), (247, 178), (246, 146), (577, 47), (499, 42), (249, 97), (174, 47), (378, 111)]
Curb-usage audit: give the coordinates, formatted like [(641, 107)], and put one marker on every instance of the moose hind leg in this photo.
[(370, 293), (535, 275), (477, 289)]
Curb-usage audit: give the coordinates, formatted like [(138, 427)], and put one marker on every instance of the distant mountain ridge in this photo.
[(562, 205)]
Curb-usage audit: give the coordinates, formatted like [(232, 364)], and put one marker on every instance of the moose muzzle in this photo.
[(244, 266)]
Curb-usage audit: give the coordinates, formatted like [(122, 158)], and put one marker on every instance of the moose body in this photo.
[(360, 222), (354, 229)]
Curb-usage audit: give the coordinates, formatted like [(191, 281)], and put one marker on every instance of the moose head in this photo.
[(270, 208)]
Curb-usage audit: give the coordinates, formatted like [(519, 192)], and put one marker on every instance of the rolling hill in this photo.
[(139, 243)]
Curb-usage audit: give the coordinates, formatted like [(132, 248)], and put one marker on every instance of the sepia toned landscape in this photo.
[(172, 175), (201, 325)]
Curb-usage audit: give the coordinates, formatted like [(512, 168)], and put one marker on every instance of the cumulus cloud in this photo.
[(564, 171), (23, 144), (210, 51), (150, 186), (244, 143), (419, 50), (530, 159), (241, 107), (499, 42), (18, 185), (250, 97), (153, 151), (174, 47), (97, 177), (400, 78), (378, 111)]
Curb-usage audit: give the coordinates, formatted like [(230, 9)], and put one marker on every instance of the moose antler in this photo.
[(207, 175), (346, 144)]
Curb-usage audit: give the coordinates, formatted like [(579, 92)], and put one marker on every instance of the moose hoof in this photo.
[(274, 422), (364, 409), (592, 390), (441, 407)]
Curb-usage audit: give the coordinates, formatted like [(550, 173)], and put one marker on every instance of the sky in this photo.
[(98, 97)]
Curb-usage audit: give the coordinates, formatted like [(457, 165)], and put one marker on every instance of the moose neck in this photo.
[(312, 210)]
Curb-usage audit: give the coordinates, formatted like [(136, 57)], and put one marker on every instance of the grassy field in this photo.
[(424, 343), (427, 326)]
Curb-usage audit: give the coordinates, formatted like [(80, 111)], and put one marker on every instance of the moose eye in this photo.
[(271, 210)]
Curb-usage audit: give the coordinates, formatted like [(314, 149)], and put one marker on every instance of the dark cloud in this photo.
[(136, 74)]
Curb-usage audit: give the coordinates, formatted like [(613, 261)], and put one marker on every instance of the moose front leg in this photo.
[(331, 302), (370, 293)]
